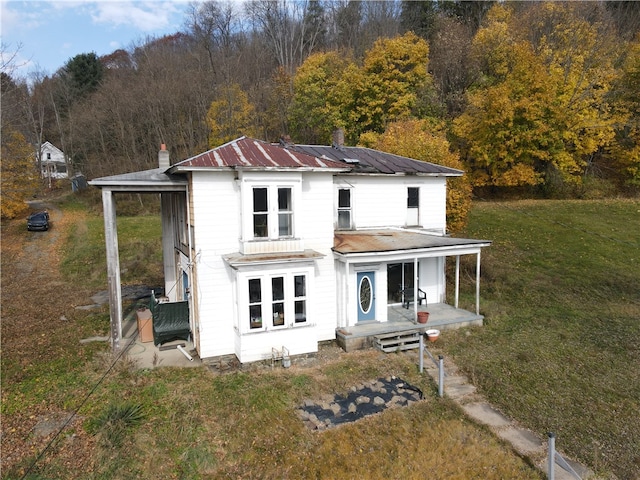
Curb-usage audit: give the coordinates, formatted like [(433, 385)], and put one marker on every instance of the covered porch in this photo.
[(441, 316)]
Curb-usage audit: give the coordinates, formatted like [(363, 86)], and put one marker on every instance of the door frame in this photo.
[(369, 277)]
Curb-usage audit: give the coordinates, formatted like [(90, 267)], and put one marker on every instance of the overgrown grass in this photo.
[(560, 347), (558, 352), (139, 244)]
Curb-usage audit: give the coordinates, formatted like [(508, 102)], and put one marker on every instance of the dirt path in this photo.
[(39, 330)]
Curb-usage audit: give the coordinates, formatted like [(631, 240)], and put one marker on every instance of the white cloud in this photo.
[(144, 16)]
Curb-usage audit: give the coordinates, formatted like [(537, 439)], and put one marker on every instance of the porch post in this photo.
[(113, 267), (415, 288), (346, 296), (457, 281), (478, 283)]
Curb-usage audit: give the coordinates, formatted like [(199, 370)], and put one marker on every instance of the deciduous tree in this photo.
[(426, 140), (230, 115), (19, 175)]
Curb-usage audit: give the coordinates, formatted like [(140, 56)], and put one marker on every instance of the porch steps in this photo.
[(398, 341)]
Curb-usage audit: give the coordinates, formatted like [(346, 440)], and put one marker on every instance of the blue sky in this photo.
[(46, 34)]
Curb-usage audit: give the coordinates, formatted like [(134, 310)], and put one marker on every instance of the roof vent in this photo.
[(351, 160)]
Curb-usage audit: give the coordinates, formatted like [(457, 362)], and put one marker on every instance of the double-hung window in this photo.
[(260, 212), (276, 221), (282, 296), (300, 298), (344, 209), (255, 303), (413, 204), (285, 212)]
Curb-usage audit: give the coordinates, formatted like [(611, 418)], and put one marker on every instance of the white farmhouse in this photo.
[(53, 165), (279, 246)]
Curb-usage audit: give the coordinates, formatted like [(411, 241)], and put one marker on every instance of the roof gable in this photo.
[(249, 153)]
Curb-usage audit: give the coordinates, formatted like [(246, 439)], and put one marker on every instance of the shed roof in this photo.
[(367, 160), (145, 180), (389, 240), (249, 153)]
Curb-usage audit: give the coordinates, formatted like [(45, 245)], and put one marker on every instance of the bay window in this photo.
[(283, 295)]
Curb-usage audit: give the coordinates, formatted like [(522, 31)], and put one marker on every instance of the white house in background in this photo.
[(53, 165), (281, 245)]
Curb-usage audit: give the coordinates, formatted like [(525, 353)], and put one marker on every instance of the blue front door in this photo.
[(366, 297)]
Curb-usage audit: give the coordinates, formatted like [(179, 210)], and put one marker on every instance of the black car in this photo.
[(38, 221)]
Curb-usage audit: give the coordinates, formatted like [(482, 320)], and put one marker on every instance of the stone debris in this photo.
[(362, 400)]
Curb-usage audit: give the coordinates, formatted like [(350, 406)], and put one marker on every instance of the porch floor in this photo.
[(441, 317)]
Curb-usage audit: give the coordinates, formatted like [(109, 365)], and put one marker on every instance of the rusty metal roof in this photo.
[(367, 160), (238, 259), (250, 153), (388, 240)]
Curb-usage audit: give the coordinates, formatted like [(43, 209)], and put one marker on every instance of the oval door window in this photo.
[(366, 296)]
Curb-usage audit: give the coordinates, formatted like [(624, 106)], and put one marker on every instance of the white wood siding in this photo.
[(381, 201), (316, 223), (216, 221), (218, 213)]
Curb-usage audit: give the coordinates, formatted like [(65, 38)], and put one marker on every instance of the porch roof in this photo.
[(154, 180), (389, 240), (237, 260)]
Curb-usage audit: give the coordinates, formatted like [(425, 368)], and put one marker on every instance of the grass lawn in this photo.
[(193, 423), (559, 352), (560, 349)]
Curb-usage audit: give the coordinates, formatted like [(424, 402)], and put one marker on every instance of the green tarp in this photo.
[(170, 321)]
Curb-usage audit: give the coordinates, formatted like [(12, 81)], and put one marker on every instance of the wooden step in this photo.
[(398, 341)]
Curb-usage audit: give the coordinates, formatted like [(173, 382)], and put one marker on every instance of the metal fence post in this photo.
[(421, 352), (552, 455), (440, 375)]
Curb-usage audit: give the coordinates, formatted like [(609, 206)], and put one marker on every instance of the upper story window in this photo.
[(48, 156), (344, 209), (413, 204), (260, 212), (285, 212), (271, 222)]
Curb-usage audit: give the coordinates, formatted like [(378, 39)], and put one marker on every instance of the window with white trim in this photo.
[(260, 212), (285, 212), (276, 221), (413, 204), (284, 296), (344, 209), (255, 303), (300, 302)]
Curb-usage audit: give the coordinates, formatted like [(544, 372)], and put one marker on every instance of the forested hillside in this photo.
[(540, 97)]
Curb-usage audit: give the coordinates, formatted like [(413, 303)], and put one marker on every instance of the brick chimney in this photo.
[(337, 138), (163, 157)]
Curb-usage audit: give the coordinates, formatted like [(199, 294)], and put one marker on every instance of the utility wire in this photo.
[(84, 401)]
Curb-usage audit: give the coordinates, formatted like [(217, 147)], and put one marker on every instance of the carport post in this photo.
[(113, 267)]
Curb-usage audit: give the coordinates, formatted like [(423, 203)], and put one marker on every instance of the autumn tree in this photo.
[(426, 140), (20, 178), (625, 151), (321, 89), (230, 115), (540, 111), (394, 84)]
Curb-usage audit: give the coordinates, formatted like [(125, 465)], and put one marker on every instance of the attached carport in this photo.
[(154, 181)]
